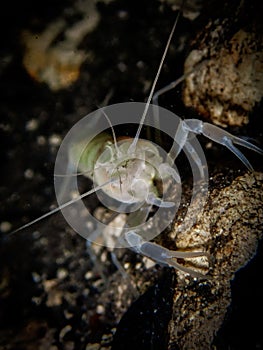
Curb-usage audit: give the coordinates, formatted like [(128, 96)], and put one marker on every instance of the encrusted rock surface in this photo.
[(228, 82), (230, 228)]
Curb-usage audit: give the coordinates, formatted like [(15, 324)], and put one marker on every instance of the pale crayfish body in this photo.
[(127, 172)]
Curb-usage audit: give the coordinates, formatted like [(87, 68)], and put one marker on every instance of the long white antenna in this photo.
[(74, 200), (134, 142)]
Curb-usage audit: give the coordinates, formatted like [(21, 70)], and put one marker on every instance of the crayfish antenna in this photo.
[(136, 138), (54, 211)]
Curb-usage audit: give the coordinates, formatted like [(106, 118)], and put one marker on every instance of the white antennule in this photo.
[(134, 143), (113, 132), (82, 173), (114, 141), (104, 103), (72, 201), (75, 174), (115, 145)]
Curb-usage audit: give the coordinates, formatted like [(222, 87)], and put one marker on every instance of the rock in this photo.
[(227, 63), (230, 227)]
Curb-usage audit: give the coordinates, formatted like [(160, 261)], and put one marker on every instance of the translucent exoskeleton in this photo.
[(132, 176)]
